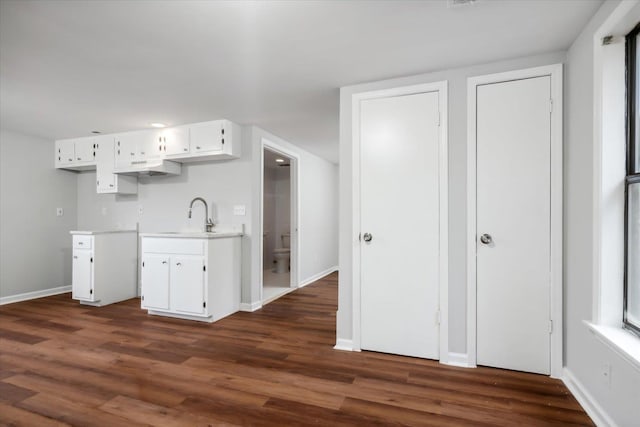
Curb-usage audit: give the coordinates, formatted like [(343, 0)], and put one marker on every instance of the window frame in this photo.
[(632, 175)]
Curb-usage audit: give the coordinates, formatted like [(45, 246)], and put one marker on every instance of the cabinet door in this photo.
[(176, 140), (65, 152), (85, 150), (126, 147), (187, 284), (105, 160), (149, 145), (206, 137), (155, 282), (82, 275)]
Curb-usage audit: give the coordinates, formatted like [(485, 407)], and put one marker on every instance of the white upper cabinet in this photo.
[(207, 141), (106, 180), (207, 137), (65, 152), (137, 147), (215, 140), (75, 154), (175, 141)]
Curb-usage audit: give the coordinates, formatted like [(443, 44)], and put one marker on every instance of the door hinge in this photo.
[(204, 304), (91, 259), (438, 317), (551, 105), (204, 268), (550, 326)]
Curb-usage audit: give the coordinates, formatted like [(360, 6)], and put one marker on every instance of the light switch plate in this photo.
[(59, 211), (240, 210)]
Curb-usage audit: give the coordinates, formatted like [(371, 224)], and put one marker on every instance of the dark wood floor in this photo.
[(62, 363)]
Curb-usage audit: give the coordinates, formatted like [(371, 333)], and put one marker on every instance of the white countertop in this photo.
[(94, 232), (194, 234), (219, 231)]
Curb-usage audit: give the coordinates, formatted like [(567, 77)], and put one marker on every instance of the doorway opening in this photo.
[(279, 224)]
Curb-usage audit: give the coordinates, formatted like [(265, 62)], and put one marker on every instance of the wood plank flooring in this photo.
[(66, 364)]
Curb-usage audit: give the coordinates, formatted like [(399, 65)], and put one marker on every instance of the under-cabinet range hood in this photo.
[(150, 168)]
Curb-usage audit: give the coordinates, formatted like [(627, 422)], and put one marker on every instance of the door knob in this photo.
[(367, 237), (486, 239)]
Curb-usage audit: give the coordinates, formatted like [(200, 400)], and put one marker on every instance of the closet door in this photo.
[(399, 176), (513, 224)]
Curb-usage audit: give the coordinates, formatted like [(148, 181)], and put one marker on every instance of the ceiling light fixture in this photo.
[(280, 160), (158, 125)]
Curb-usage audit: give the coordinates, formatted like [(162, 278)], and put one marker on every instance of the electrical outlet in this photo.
[(140, 210), (606, 374), (59, 211)]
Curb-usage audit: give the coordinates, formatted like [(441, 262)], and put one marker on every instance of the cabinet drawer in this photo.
[(173, 246), (82, 242)]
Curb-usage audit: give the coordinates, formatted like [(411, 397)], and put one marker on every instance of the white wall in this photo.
[(35, 245), (165, 201), (457, 129), (585, 355)]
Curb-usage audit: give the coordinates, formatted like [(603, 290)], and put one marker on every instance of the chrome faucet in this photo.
[(208, 224)]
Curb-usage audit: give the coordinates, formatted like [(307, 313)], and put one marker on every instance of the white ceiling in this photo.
[(70, 67)]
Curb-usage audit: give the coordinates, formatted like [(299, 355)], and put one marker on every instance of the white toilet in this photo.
[(282, 255)]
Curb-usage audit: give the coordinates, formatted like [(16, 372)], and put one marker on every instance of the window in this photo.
[(631, 311)]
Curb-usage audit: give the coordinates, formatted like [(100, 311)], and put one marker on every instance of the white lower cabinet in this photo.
[(155, 269), (82, 275), (191, 278), (104, 266)]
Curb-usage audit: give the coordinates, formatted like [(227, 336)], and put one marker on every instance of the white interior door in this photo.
[(399, 178), (513, 212)]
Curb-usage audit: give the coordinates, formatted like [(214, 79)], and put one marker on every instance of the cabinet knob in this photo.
[(178, 263), (184, 149), (75, 257), (110, 185), (133, 154), (142, 152), (164, 262), (80, 243), (197, 147)]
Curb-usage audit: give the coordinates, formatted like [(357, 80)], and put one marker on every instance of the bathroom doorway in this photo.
[(279, 222)]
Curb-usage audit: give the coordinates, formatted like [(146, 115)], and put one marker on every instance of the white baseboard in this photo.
[(245, 306), (589, 404), (35, 294), (318, 276), (345, 345), (458, 359)]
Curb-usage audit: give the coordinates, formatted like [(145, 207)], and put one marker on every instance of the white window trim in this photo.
[(604, 325), (555, 71), (442, 88)]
